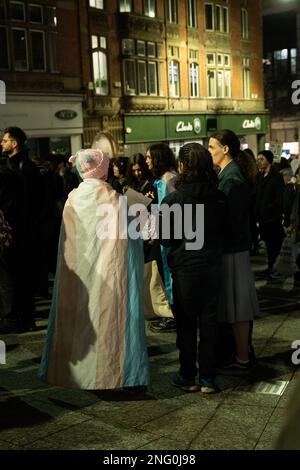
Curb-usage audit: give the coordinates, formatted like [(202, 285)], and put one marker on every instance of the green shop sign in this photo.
[(185, 127), (162, 128), (244, 123)]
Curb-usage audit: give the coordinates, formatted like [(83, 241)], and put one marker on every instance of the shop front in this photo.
[(251, 128), (52, 123), (176, 130)]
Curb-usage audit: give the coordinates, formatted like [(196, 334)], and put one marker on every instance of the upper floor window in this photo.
[(4, 56), (218, 75), (35, 13), (174, 78), (51, 16), (246, 77), (30, 44), (99, 51), (216, 18), (125, 6), (20, 49), (194, 80), (192, 14), (140, 67), (172, 11), (97, 4), (3, 15), (150, 8), (244, 23), (17, 11)]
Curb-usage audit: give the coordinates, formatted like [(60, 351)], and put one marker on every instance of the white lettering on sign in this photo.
[(252, 123), (182, 127)]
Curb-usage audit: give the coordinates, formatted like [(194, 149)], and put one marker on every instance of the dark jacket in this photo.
[(32, 182), (269, 197), (236, 234), (210, 253)]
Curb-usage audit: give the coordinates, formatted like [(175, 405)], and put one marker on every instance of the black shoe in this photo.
[(165, 325), (26, 326), (236, 368), (9, 327)]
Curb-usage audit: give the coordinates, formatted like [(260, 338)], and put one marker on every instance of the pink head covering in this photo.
[(91, 163)]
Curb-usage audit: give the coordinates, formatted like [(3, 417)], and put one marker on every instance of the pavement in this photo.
[(247, 414)]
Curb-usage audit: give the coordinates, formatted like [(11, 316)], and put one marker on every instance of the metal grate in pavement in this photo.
[(272, 387)]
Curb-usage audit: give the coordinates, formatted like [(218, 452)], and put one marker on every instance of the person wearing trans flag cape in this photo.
[(96, 336)]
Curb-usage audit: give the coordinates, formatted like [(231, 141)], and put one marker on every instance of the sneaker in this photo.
[(188, 385), (236, 368), (208, 386), (277, 276), (165, 325)]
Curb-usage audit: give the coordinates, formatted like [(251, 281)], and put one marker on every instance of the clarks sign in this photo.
[(188, 127), (66, 114), (252, 123)]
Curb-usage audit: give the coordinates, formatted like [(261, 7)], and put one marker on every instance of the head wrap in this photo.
[(91, 163)]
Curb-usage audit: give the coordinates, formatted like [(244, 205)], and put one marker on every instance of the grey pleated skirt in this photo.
[(238, 300)]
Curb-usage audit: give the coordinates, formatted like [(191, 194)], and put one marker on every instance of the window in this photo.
[(191, 13), (246, 77), (293, 55), (97, 4), (211, 83), (2, 10), (193, 54), (173, 78), (29, 47), (244, 23), (172, 11), (37, 40), (281, 64), (125, 6), (17, 11), (139, 73), (51, 16), (99, 51), (20, 49), (151, 49), (142, 77), (52, 52), (216, 18), (35, 13), (4, 60), (225, 20), (173, 51), (209, 17), (218, 75), (152, 77), (129, 77), (150, 8), (194, 80), (141, 48), (128, 46)]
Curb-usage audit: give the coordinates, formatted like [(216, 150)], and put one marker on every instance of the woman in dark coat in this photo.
[(238, 305), (195, 265)]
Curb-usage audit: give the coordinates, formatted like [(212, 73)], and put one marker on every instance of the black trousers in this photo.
[(273, 234), (196, 297)]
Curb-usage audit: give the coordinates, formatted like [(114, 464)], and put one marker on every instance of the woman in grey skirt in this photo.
[(238, 304)]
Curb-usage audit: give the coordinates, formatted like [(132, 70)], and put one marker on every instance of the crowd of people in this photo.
[(96, 336)]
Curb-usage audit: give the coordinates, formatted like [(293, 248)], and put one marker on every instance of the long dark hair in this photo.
[(245, 162), (137, 159), (197, 165), (163, 159)]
